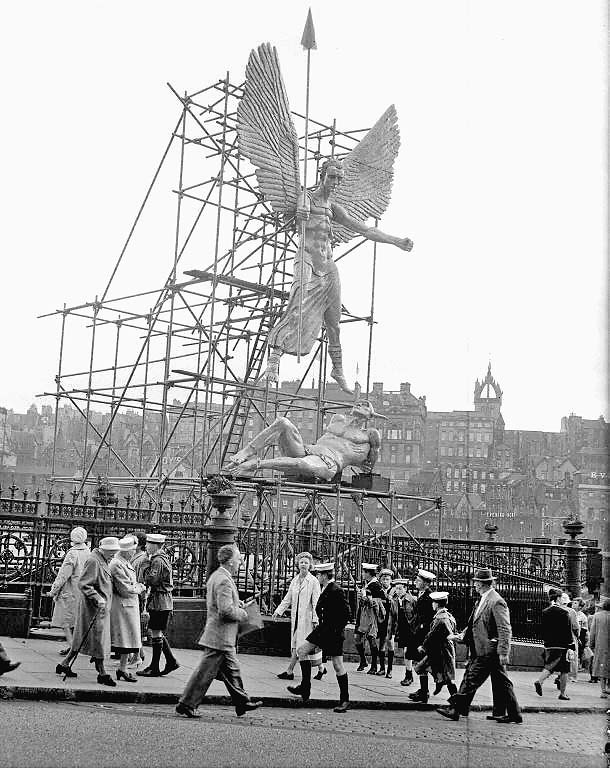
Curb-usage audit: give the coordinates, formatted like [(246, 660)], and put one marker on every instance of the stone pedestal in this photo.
[(220, 530), (574, 551)]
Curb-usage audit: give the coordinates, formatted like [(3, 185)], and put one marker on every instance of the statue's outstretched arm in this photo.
[(371, 233)]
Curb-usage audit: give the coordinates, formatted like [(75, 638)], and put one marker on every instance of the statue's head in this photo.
[(331, 174), (365, 410)]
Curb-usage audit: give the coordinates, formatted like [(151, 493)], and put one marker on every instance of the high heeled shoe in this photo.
[(126, 677), (64, 670)]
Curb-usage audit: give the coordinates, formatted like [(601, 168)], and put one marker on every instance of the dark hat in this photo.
[(483, 575)]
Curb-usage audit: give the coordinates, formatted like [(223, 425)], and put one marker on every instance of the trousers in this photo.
[(476, 673), (215, 663)]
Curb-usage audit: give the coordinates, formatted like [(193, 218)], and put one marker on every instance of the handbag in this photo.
[(587, 654)]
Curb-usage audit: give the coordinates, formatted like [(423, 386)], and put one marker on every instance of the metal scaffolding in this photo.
[(202, 336)]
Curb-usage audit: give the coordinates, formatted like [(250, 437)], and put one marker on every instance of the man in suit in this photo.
[(224, 613), (333, 614), (488, 637)]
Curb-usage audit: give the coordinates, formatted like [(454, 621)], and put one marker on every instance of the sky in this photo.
[(500, 180)]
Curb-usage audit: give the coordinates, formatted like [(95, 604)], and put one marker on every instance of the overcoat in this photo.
[(95, 583), (439, 649), (421, 619), (65, 587), (405, 608), (125, 609), (370, 611), (599, 640), (333, 611), (224, 612), (301, 598)]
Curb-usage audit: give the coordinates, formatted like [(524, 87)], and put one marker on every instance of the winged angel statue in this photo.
[(349, 191)]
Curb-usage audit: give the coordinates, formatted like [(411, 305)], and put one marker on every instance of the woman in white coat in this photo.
[(301, 599), (64, 589), (125, 607)]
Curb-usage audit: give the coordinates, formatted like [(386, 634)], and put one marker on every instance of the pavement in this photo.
[(36, 679)]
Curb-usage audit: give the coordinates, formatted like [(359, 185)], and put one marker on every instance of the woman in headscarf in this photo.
[(125, 637), (599, 640), (301, 599), (64, 589)]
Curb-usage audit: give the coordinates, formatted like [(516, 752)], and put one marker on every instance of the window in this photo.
[(448, 486), (475, 473), (284, 503), (449, 452), (482, 475), (408, 459), (409, 435), (478, 437), (250, 434), (460, 451), (443, 451), (456, 472), (482, 488), (443, 435), (448, 473), (477, 453), (393, 459), (463, 472), (394, 434), (379, 519), (356, 519), (284, 518), (475, 487), (460, 436), (450, 435), (471, 437)]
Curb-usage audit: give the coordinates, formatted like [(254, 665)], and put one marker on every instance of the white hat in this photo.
[(78, 535), (441, 595), (324, 566), (109, 543), (127, 543), (389, 572), (400, 581), (369, 566), (427, 575), (156, 539)]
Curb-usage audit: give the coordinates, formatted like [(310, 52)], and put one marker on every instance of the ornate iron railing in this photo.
[(34, 537)]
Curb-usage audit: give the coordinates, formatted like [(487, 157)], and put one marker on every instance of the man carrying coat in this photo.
[(219, 660), (487, 635), (92, 629)]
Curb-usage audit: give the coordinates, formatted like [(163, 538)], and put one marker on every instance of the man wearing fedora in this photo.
[(92, 629), (158, 578), (487, 635)]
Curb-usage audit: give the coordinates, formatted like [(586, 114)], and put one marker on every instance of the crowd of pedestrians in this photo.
[(110, 598), (107, 599)]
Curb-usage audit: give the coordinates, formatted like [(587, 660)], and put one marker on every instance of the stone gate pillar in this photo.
[(221, 529)]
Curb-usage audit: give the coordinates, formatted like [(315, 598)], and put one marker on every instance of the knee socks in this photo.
[(343, 688), (157, 648), (381, 660), (360, 650), (167, 651), (305, 678), (390, 661), (452, 688)]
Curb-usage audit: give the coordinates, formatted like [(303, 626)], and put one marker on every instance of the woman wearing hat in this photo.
[(437, 647), (599, 641), (92, 629), (125, 610), (64, 589), (301, 599)]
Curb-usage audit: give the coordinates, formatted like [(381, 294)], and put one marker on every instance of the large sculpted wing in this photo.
[(368, 168), (267, 136)]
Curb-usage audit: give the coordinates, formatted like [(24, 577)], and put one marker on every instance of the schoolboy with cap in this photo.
[(333, 614), (437, 648), (92, 629), (387, 625), (159, 580), (488, 636), (421, 621), (368, 612), (405, 607)]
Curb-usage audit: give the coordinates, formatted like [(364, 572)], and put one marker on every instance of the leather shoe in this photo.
[(538, 688), (493, 718), (149, 673), (6, 666), (509, 720), (64, 670), (184, 710), (438, 688), (286, 676), (341, 707), (246, 707), (361, 667), (298, 692), (447, 712), (106, 680), (170, 667)]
